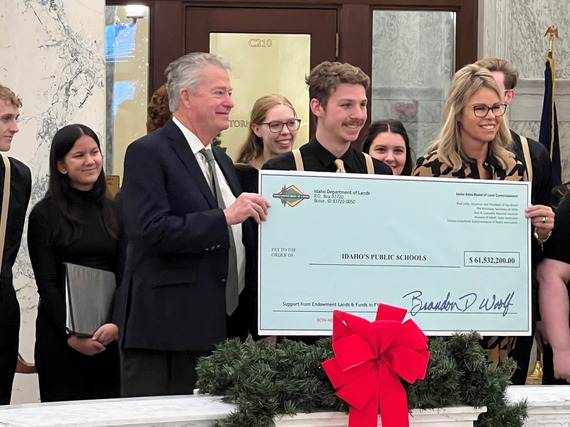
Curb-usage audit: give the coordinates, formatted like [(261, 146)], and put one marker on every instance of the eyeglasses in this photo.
[(277, 127), (482, 110)]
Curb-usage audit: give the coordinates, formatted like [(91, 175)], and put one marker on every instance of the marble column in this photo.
[(53, 57)]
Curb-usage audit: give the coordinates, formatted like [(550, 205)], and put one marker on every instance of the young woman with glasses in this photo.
[(273, 127), (474, 142)]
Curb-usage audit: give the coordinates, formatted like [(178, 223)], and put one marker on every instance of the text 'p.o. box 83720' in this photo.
[(454, 253)]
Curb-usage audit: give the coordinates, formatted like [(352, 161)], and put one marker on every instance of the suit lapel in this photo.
[(184, 152), (228, 170)]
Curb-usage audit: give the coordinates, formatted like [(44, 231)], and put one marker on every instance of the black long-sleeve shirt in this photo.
[(93, 248)]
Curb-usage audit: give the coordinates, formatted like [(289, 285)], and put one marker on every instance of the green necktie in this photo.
[(232, 286)]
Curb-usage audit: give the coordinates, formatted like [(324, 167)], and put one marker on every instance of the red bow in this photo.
[(369, 358)]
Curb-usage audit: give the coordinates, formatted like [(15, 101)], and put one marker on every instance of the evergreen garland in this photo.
[(267, 381)]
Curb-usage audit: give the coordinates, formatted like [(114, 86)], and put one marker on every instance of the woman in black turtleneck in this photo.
[(77, 223)]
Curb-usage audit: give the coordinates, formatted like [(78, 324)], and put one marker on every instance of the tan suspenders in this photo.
[(300, 167), (527, 159), (298, 160), (5, 203), (369, 163)]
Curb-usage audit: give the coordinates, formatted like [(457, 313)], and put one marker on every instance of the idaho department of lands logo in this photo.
[(291, 196)]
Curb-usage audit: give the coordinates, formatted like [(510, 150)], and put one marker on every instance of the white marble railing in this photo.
[(195, 411), (547, 406), (179, 411), (461, 416)]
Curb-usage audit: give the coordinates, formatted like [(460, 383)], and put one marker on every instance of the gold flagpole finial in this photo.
[(551, 31)]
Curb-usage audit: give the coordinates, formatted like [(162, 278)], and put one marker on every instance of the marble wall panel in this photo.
[(418, 108), (412, 61), (529, 21), (412, 48), (57, 65)]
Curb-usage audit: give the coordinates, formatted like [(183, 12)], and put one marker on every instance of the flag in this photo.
[(549, 122)]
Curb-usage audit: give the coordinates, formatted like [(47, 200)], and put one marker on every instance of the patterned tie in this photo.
[(232, 286), (339, 166)]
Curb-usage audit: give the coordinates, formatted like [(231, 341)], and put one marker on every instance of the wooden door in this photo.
[(270, 49), (319, 23)]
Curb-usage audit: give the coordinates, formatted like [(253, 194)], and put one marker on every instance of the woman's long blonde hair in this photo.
[(466, 82)]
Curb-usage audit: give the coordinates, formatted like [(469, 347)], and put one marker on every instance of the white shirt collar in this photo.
[(195, 144)]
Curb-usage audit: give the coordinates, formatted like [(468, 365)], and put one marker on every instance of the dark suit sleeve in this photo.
[(20, 190), (541, 173), (28, 185), (157, 198), (118, 313), (558, 246)]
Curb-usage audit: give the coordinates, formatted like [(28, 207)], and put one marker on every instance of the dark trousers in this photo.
[(8, 358), (521, 355), (9, 339), (523, 347), (158, 373), (65, 374), (548, 368)]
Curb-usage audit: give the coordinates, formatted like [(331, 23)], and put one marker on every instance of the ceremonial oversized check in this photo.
[(454, 253)]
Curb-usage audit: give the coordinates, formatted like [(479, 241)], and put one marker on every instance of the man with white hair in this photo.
[(188, 226)]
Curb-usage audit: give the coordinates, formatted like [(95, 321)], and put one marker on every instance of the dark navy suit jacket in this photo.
[(173, 292)]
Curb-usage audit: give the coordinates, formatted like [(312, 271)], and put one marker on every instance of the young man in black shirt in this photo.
[(20, 189), (337, 93)]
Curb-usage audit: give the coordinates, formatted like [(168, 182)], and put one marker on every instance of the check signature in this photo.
[(462, 303)]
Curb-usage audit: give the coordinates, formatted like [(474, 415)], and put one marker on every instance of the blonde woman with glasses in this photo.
[(475, 143), (474, 140), (273, 126)]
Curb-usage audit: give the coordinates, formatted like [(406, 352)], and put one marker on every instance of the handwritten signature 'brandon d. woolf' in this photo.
[(461, 304)]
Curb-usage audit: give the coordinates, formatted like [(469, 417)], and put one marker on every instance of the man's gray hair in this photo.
[(185, 72)]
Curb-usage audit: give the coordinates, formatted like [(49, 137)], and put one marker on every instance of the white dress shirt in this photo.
[(229, 198)]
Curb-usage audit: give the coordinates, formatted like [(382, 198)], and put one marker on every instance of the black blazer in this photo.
[(20, 190), (178, 242)]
